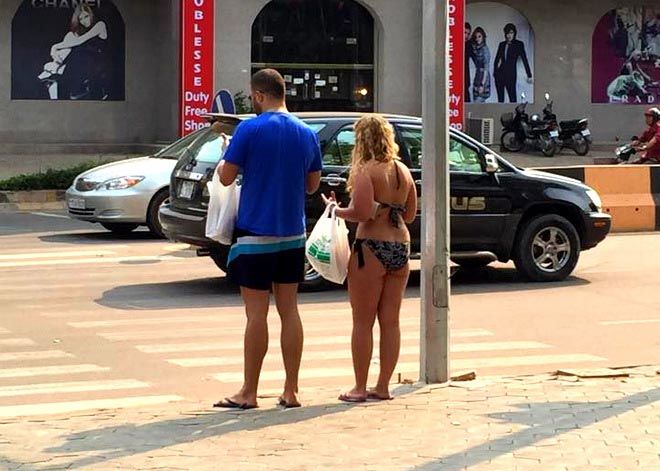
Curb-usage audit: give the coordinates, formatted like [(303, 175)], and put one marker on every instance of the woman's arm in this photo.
[(362, 202), (71, 40)]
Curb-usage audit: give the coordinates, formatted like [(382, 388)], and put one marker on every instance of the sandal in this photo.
[(288, 405), (227, 403), (374, 396), (347, 397)]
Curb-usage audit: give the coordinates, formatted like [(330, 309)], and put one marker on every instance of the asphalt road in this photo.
[(89, 318)]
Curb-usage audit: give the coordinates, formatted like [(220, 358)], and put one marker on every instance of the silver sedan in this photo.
[(126, 194)]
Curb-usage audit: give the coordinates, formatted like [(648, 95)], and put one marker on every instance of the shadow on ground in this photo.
[(100, 237)]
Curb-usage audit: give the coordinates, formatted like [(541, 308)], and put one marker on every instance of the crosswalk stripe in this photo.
[(346, 354), (215, 332), (17, 342), (65, 254), (4, 331), (69, 387), (67, 407), (413, 368), (40, 355), (631, 322), (310, 341), (50, 370), (90, 261)]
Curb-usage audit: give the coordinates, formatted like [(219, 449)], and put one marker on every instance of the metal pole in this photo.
[(434, 359)]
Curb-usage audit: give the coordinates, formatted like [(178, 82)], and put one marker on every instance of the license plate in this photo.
[(586, 132), (186, 189), (76, 203), (554, 133)]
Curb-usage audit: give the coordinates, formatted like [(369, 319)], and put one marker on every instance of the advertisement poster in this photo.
[(499, 54), (67, 50), (456, 63), (197, 63), (626, 57)]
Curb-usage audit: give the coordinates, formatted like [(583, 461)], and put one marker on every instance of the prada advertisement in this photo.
[(68, 50)]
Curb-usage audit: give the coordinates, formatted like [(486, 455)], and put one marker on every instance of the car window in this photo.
[(176, 149), (317, 127), (338, 150), (463, 158), (411, 138)]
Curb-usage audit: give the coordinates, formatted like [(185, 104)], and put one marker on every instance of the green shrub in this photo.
[(48, 180)]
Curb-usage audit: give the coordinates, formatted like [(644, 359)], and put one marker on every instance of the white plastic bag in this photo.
[(222, 211), (327, 247)]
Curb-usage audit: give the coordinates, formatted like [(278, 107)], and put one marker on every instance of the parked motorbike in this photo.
[(520, 131), (574, 133)]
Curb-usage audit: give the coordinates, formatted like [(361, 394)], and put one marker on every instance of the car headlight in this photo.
[(120, 183), (595, 199)]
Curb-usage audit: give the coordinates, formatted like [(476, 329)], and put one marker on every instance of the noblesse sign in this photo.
[(197, 64), (456, 63)]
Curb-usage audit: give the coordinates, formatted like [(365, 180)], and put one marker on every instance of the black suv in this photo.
[(498, 212)]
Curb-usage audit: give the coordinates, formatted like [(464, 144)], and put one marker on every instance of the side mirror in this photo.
[(492, 165), (523, 95), (547, 96)]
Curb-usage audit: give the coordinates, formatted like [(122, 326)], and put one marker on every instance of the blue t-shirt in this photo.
[(275, 151)]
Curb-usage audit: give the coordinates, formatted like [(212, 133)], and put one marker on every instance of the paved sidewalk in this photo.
[(506, 423)]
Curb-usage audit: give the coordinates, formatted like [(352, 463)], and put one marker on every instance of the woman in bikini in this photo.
[(383, 201)]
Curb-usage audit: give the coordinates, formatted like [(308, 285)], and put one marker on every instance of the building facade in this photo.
[(114, 78)]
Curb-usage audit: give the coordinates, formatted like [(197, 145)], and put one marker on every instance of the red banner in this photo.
[(197, 63), (457, 64)]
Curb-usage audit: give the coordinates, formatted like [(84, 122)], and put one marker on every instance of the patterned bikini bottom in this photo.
[(392, 255)]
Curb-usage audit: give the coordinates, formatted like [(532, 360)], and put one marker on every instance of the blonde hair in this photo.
[(374, 140)]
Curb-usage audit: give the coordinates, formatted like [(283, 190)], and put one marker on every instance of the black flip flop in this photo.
[(227, 403), (288, 405)]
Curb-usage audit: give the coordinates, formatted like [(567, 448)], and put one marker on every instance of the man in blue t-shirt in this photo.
[(280, 161)]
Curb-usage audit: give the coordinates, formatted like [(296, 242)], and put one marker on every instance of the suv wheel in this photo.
[(152, 213), (548, 249), (120, 228)]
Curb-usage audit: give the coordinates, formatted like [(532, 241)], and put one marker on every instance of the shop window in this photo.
[(323, 48)]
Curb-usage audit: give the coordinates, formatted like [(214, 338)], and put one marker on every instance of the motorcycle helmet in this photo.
[(654, 113)]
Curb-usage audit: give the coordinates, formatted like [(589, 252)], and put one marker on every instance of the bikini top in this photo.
[(396, 210)]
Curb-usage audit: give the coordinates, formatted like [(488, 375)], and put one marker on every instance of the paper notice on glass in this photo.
[(317, 94), (333, 79), (288, 78), (298, 81), (320, 83), (335, 89), (268, 39), (294, 92), (351, 41), (317, 76)]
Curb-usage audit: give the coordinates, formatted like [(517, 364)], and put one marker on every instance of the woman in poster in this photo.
[(77, 59), (481, 58), (509, 52)]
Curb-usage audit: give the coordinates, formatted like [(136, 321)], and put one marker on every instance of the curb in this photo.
[(40, 200)]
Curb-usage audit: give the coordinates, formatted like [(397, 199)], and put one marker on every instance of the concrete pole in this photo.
[(434, 360)]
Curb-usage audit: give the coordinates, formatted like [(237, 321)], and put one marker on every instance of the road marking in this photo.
[(90, 261), (76, 386), (345, 354), (146, 321), (50, 215), (41, 355), (66, 254), (4, 331), (219, 332), (310, 341), (67, 407), (630, 322), (50, 370), (413, 368), (18, 342)]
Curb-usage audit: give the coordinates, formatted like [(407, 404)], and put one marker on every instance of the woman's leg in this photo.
[(365, 286), (390, 332)]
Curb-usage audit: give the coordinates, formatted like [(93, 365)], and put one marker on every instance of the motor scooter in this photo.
[(574, 133), (519, 130)]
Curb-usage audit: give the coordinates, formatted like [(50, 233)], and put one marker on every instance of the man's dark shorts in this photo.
[(256, 262)]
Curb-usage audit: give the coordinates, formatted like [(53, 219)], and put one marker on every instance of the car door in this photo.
[(409, 138), (480, 205)]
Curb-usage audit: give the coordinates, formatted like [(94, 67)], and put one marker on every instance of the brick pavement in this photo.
[(542, 422)]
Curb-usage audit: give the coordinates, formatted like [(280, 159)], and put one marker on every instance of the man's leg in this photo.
[(499, 85), (255, 343), (511, 88), (286, 299)]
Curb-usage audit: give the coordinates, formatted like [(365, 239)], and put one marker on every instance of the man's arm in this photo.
[(523, 55), (228, 172), (312, 182), (499, 56)]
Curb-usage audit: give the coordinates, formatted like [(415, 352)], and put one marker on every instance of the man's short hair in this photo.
[(511, 28), (270, 82), (468, 26)]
